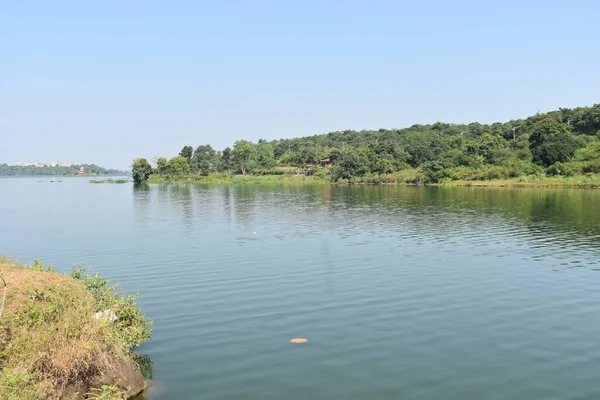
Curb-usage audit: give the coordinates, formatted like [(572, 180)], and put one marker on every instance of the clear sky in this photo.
[(106, 81)]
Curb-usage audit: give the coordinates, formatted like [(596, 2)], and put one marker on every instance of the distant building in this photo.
[(43, 164)]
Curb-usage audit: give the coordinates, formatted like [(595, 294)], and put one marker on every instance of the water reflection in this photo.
[(563, 216), (142, 195), (144, 364), (567, 218)]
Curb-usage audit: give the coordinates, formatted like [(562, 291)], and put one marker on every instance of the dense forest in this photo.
[(32, 170), (564, 142)]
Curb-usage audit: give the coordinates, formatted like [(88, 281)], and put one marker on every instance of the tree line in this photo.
[(562, 142), (32, 170)]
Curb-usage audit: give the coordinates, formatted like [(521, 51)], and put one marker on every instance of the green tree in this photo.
[(556, 147), (437, 151), (178, 166), (225, 161), (350, 164), (205, 160), (162, 165), (419, 147), (265, 156), (187, 152), (243, 155), (141, 170), (551, 142)]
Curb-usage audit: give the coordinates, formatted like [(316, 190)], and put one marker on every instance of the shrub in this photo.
[(50, 340), (106, 392), (131, 325), (592, 167), (267, 171), (559, 168), (39, 266)]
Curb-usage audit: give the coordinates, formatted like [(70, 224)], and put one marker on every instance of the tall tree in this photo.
[(162, 165), (178, 165), (243, 155), (205, 160), (141, 170), (187, 152), (551, 142), (225, 161), (264, 155)]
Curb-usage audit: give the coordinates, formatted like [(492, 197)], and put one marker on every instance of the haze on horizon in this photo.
[(106, 82)]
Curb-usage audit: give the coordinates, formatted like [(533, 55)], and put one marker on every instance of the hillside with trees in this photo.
[(565, 142)]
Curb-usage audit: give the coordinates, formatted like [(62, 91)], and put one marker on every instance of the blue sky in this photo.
[(107, 81)]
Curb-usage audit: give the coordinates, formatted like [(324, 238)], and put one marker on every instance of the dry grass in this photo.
[(50, 344)]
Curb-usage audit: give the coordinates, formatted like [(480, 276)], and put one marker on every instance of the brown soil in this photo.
[(21, 281)]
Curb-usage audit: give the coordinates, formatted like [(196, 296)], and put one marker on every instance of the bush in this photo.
[(131, 325), (51, 341), (494, 172), (435, 171), (106, 392), (559, 168), (517, 168), (487, 172), (409, 176), (267, 171), (592, 167)]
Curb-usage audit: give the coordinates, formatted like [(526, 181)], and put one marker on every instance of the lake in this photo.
[(403, 292)]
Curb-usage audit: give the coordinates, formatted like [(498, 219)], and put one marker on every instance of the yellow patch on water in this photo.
[(299, 340)]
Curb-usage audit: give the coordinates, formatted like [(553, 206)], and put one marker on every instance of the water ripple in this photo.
[(415, 293)]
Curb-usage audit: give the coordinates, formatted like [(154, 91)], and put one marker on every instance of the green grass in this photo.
[(51, 346), (237, 179), (577, 181), (404, 177)]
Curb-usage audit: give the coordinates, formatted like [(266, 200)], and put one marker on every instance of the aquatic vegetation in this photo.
[(110, 180)]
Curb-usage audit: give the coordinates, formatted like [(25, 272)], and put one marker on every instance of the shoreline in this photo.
[(578, 181)]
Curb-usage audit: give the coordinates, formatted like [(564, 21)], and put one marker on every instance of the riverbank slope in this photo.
[(67, 336)]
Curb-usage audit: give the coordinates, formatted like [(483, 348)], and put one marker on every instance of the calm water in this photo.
[(403, 293)]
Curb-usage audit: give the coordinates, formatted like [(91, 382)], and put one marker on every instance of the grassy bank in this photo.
[(406, 177), (237, 179), (579, 181), (58, 341)]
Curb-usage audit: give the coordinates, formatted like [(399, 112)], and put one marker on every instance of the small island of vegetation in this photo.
[(67, 336), (557, 148), (110, 180)]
